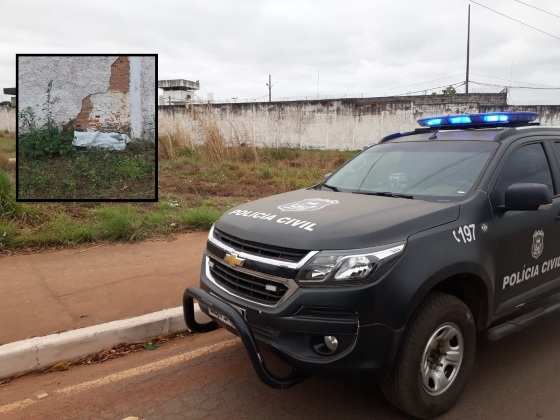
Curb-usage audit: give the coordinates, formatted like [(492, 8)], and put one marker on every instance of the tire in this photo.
[(415, 383)]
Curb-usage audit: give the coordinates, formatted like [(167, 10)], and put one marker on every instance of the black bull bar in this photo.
[(218, 306)]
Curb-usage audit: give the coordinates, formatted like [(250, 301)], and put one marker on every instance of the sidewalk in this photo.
[(55, 291)]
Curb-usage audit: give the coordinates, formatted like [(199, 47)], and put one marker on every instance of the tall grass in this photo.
[(204, 135), (214, 144), (174, 135), (8, 205), (7, 121)]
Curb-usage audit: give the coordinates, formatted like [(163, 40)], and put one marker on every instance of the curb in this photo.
[(41, 352)]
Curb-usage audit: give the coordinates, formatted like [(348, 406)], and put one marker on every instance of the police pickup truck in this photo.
[(398, 261)]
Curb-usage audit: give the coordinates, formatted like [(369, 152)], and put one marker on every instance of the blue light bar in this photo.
[(477, 120), (463, 119), (495, 118), (434, 121)]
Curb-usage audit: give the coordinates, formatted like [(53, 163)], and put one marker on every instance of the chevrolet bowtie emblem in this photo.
[(234, 260)]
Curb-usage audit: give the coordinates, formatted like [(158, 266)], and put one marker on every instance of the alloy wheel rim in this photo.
[(442, 359)]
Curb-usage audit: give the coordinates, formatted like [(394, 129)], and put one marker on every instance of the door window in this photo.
[(528, 164), (557, 147)]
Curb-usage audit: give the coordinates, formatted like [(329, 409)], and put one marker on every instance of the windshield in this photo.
[(438, 169)]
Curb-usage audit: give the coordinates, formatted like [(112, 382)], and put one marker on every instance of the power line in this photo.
[(515, 87), (539, 85), (458, 84), (423, 82), (540, 9), (517, 20)]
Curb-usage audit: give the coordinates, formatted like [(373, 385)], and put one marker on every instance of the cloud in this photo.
[(353, 48)]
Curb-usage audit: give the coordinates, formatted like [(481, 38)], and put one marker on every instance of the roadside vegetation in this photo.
[(198, 182)]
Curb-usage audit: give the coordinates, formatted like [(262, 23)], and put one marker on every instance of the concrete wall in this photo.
[(93, 93), (7, 120), (339, 123)]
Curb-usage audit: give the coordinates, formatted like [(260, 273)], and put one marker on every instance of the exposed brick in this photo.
[(115, 121), (120, 75), (83, 118)]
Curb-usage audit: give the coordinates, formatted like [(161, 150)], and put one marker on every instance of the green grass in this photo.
[(91, 174), (105, 223), (201, 217), (194, 192)]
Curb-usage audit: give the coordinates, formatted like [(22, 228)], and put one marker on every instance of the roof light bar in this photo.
[(462, 119), (489, 118)]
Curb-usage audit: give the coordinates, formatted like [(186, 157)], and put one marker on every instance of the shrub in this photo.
[(45, 142)]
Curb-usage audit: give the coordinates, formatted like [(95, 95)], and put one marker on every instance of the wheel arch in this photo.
[(468, 283)]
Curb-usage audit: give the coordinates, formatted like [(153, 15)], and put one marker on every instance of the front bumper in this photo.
[(295, 329), (233, 319)]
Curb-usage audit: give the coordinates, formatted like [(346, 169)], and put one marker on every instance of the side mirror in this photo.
[(528, 197), (327, 175)]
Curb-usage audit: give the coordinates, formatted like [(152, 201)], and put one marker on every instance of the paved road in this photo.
[(209, 376)]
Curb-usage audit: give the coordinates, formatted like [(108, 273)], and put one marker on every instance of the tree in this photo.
[(449, 90)]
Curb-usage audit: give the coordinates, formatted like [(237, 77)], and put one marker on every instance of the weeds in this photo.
[(8, 205), (7, 234), (91, 174), (45, 142), (174, 137), (118, 223), (201, 218)]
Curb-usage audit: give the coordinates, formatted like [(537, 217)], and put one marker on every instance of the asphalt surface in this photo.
[(209, 376)]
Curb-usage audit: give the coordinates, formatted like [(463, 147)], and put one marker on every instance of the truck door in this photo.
[(526, 243)]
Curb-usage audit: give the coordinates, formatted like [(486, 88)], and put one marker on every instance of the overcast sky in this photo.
[(326, 48)]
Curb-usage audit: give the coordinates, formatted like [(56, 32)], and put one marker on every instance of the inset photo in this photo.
[(86, 127)]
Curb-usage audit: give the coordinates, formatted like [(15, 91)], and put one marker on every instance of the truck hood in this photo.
[(319, 220)]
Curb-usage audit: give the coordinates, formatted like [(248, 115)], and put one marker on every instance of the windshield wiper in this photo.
[(385, 194), (330, 187)]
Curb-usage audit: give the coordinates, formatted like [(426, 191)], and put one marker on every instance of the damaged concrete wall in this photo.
[(338, 123), (93, 93)]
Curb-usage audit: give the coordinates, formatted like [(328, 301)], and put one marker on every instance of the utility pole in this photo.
[(468, 51), (269, 84)]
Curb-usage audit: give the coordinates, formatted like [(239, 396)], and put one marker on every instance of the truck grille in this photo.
[(245, 285), (255, 248)]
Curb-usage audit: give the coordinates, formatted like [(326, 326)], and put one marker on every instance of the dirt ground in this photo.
[(65, 289)]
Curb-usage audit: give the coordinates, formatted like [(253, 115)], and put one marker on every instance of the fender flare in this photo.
[(437, 278)]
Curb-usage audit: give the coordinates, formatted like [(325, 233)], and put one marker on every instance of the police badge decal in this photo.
[(538, 244), (308, 204)]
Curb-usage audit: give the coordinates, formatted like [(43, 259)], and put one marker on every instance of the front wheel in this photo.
[(435, 359)]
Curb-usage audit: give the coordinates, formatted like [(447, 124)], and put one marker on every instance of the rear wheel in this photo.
[(435, 360)]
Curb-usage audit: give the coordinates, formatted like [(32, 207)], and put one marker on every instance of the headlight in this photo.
[(348, 265)]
